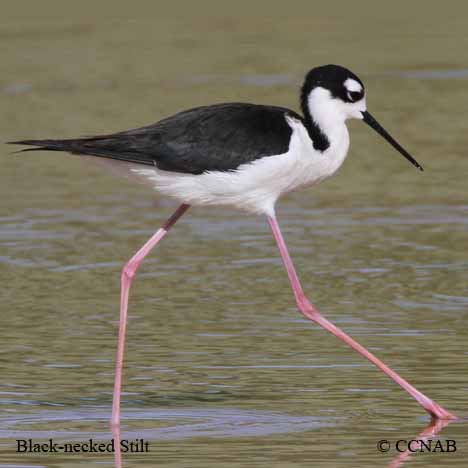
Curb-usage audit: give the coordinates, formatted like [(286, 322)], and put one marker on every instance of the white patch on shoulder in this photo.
[(255, 186), (352, 85)]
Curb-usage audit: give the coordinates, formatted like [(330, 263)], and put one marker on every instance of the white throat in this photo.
[(327, 113), (330, 114)]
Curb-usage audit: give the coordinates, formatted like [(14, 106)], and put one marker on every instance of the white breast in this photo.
[(255, 187)]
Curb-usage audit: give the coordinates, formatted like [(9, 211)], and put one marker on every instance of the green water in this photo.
[(221, 370)]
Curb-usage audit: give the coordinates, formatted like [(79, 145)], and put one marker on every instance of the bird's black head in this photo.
[(331, 94), (335, 90), (342, 84)]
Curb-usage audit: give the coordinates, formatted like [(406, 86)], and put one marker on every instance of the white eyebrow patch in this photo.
[(352, 85)]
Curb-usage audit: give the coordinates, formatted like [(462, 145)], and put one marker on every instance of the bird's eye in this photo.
[(354, 96)]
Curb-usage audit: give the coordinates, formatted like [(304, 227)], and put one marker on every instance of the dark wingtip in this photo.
[(39, 148), (38, 145), (23, 142)]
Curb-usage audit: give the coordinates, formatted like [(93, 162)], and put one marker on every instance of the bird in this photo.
[(244, 156)]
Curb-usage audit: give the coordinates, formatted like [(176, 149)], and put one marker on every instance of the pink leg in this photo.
[(309, 311), (128, 273)]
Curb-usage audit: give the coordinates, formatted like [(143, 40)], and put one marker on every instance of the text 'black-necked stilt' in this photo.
[(245, 156)]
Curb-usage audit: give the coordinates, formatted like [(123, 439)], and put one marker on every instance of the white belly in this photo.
[(255, 187)]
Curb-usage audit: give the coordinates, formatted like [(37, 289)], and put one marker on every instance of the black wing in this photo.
[(220, 137)]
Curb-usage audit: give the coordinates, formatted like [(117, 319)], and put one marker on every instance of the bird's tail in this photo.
[(71, 145), (103, 146)]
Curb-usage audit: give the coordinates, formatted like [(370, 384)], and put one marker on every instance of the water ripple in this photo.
[(180, 423)]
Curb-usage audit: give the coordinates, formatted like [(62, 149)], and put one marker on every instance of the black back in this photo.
[(220, 137)]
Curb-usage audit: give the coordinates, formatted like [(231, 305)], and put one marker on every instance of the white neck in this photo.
[(330, 114), (327, 113)]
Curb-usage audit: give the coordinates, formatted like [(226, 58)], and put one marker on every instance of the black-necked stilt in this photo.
[(245, 156)]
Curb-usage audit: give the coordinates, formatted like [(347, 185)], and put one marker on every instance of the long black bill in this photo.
[(381, 131)]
